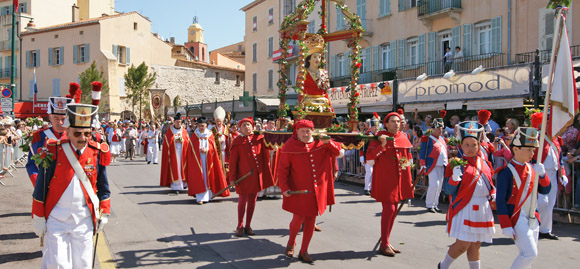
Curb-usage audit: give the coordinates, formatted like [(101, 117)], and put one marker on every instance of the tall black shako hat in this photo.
[(201, 120)]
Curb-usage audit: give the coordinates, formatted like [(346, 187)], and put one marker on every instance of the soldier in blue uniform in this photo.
[(433, 159), (514, 188)]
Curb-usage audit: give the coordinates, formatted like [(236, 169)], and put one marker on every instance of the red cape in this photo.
[(169, 173), (216, 179)]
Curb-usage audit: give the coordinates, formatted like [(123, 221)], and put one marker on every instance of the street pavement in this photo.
[(150, 227)]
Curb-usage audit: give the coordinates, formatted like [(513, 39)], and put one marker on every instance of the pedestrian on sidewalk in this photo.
[(152, 147), (249, 153), (77, 204), (305, 166), (391, 153)]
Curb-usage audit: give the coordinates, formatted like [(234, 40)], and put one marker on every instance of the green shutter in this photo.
[(128, 55), (37, 58), (402, 4), (61, 55), (75, 53), (421, 48), (31, 88), (27, 60), (496, 34), (87, 53), (50, 56), (376, 57), (115, 52), (401, 52), (388, 8), (431, 55), (455, 38), (393, 55), (466, 40)]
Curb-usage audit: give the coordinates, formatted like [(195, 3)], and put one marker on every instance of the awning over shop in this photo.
[(454, 105), (27, 109), (424, 107), (376, 108), (495, 103), (272, 104)]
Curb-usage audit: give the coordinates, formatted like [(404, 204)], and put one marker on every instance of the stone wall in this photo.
[(197, 85)]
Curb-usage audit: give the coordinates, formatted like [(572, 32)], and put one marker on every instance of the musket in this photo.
[(235, 183), (291, 192), (96, 240)]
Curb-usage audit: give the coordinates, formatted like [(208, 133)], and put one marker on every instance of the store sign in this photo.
[(497, 83)]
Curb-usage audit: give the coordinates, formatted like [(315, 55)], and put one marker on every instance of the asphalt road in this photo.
[(150, 227)]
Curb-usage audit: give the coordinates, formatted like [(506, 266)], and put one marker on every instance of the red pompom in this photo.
[(97, 85), (483, 116), (442, 113), (375, 115), (78, 96), (537, 119), (73, 89), (400, 111)]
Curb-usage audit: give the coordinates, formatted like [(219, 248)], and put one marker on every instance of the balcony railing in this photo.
[(6, 45), (545, 55), (5, 73), (427, 7)]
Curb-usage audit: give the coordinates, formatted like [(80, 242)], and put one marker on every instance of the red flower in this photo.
[(356, 94), (39, 150), (358, 65), (43, 155)]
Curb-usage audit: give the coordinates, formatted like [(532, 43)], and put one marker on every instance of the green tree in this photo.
[(86, 78), (555, 3), (138, 80)]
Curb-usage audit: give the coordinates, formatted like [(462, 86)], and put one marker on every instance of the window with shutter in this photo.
[(339, 19), (270, 46), (496, 34), (361, 10), (483, 38), (254, 52), (421, 47), (254, 82), (466, 40)]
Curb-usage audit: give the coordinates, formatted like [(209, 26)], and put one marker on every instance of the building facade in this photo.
[(41, 13)]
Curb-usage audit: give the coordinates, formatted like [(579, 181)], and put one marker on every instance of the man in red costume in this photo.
[(305, 165), (204, 174), (173, 157), (390, 155), (249, 153)]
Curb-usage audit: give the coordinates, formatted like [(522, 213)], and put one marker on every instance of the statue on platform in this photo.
[(317, 80)]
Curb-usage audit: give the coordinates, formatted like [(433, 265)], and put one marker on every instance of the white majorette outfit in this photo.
[(433, 159), (514, 188), (115, 139), (470, 216), (153, 146)]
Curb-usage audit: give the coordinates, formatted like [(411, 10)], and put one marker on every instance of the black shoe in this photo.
[(550, 236), (432, 210), (148, 162), (438, 210), (367, 193), (439, 266)]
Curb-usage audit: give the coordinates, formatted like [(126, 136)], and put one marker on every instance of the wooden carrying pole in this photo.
[(554, 58)]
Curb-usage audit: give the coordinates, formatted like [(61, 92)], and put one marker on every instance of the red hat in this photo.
[(390, 115), (248, 119), (537, 119), (302, 124), (96, 92)]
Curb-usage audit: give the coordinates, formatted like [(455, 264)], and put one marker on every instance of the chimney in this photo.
[(172, 40), (75, 13)]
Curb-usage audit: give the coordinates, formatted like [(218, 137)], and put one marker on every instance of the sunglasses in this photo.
[(86, 134)]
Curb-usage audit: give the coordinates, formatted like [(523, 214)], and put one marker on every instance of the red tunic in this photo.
[(307, 167), (169, 173), (249, 152), (216, 179), (391, 182)]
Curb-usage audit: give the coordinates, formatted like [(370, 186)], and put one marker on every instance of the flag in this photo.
[(35, 92), (564, 97), (15, 3)]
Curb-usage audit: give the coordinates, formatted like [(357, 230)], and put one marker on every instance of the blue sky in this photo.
[(222, 20)]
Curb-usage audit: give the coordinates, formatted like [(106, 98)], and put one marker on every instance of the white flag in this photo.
[(564, 97)]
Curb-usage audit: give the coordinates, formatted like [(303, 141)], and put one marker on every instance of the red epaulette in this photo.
[(424, 139), (36, 136)]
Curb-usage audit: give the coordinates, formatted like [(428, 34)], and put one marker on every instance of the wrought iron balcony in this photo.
[(427, 10), (545, 55)]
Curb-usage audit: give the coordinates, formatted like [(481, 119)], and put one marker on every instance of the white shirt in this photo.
[(72, 202)]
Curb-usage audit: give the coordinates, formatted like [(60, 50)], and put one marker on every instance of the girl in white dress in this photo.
[(470, 186), (115, 140)]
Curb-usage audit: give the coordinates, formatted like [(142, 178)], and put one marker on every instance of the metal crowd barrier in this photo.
[(350, 164), (562, 203), (10, 156)]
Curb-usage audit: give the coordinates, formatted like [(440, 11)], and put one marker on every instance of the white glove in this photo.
[(508, 232), (424, 168), (104, 220), (371, 162), (362, 159), (564, 180), (39, 225), (539, 168), (457, 173)]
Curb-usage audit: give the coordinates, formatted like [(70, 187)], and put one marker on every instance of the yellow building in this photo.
[(59, 53), (41, 13)]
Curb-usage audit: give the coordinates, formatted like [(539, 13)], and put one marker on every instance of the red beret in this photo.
[(303, 124), (248, 119), (390, 115)]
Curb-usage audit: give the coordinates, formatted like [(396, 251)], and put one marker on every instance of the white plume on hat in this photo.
[(219, 113)]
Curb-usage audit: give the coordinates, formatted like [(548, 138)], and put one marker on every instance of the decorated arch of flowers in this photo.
[(294, 27)]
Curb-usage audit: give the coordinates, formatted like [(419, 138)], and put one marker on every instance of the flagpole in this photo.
[(554, 58), (34, 93)]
